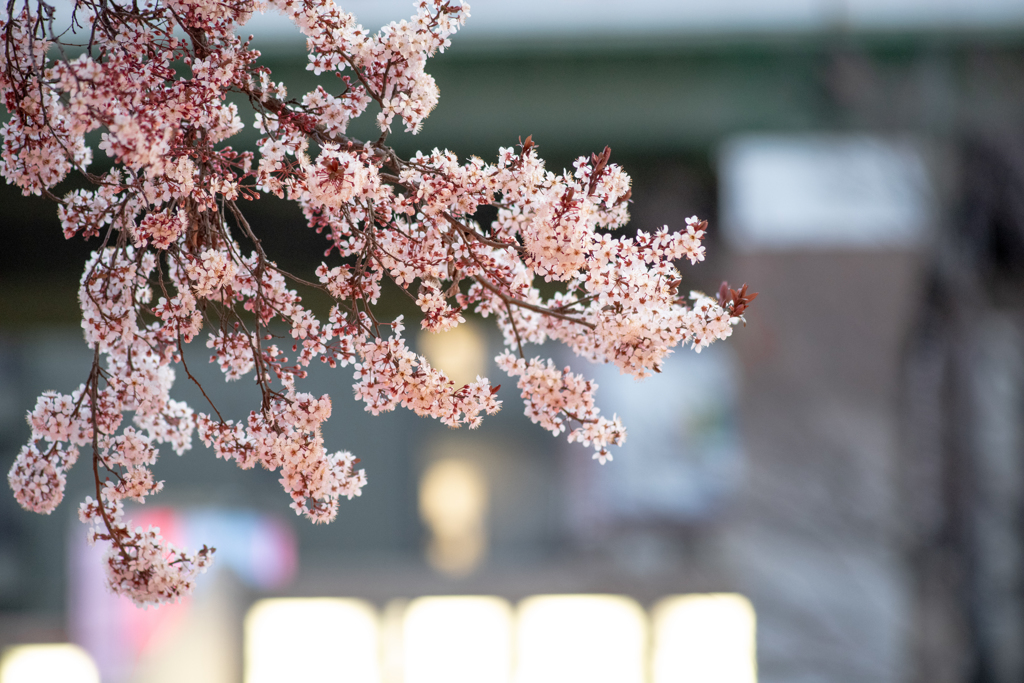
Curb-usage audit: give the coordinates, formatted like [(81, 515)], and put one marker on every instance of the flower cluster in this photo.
[(554, 397), (38, 476), (210, 272), (389, 375), (339, 177), (287, 437), (138, 563), (152, 85)]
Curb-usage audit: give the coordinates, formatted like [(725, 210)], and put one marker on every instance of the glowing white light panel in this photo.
[(461, 639), (52, 663), (321, 639), (704, 639), (707, 638), (593, 638)]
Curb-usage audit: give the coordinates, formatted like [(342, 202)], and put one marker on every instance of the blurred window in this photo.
[(783, 192)]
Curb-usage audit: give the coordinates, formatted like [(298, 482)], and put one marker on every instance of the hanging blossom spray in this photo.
[(154, 79)]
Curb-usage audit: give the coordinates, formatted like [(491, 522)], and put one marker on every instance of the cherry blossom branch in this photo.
[(510, 300), (155, 81)]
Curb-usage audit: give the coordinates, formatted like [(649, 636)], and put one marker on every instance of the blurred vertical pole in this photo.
[(830, 229), (964, 401)]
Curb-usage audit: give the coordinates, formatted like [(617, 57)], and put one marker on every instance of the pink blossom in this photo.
[(153, 89)]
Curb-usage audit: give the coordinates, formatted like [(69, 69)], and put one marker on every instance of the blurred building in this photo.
[(851, 461)]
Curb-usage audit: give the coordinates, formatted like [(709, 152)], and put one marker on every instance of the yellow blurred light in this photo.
[(461, 352), (464, 639), (314, 639), (593, 638), (453, 505), (704, 639), (51, 663)]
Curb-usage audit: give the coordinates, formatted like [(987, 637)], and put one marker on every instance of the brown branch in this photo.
[(532, 307), (466, 231)]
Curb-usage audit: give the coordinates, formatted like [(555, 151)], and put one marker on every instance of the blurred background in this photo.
[(841, 483)]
